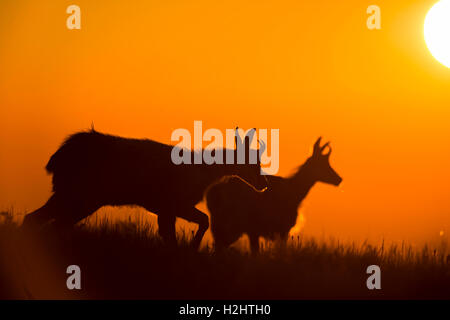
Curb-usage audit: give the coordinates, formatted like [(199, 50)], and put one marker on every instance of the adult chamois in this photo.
[(236, 207), (91, 170)]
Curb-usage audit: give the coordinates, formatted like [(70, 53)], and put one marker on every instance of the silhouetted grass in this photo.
[(127, 260)]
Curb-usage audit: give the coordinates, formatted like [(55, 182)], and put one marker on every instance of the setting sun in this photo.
[(437, 31)]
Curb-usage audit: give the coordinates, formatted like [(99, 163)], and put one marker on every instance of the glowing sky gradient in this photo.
[(145, 68)]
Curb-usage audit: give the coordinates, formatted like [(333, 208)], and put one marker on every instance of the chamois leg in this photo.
[(219, 245), (42, 215), (73, 212), (166, 225), (198, 217), (283, 240), (254, 244), (223, 240), (223, 237)]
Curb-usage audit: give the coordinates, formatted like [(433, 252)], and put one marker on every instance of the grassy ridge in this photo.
[(127, 260)]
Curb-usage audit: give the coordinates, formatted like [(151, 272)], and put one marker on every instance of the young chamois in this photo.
[(92, 169), (236, 207)]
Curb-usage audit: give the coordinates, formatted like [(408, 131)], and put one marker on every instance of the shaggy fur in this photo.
[(92, 169)]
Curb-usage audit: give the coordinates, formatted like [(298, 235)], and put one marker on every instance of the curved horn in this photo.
[(236, 137), (262, 147), (324, 146), (249, 136), (316, 148)]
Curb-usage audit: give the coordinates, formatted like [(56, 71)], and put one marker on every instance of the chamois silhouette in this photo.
[(92, 169), (236, 207)]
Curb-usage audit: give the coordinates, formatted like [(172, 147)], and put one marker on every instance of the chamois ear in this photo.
[(324, 147), (249, 138), (329, 151), (316, 149), (237, 138), (247, 141), (262, 147)]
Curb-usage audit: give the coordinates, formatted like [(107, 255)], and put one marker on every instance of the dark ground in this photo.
[(128, 261)]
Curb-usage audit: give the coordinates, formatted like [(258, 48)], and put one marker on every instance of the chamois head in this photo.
[(249, 160), (319, 165)]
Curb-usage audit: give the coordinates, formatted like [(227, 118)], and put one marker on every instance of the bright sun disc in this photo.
[(437, 31)]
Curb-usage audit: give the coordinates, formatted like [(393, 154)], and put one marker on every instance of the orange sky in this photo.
[(145, 68)]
